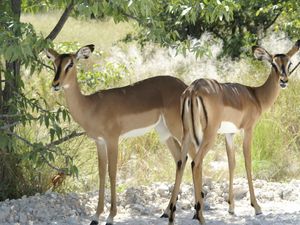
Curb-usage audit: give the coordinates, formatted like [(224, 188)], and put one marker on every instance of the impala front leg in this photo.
[(247, 156), (112, 151), (231, 165), (175, 149), (102, 167)]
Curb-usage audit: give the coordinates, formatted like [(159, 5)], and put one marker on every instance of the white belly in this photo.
[(228, 128), (138, 132), (160, 126)]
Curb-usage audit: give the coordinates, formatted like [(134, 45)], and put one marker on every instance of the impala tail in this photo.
[(194, 117)]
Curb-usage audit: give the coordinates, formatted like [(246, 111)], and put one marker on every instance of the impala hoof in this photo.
[(195, 217), (165, 215), (94, 222), (258, 213), (231, 212)]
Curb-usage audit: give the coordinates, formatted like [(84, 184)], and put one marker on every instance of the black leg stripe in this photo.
[(193, 164), (94, 222), (179, 164)]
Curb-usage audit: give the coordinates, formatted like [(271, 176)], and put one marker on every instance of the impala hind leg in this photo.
[(179, 173), (231, 166), (208, 140), (247, 156), (112, 151), (102, 167)]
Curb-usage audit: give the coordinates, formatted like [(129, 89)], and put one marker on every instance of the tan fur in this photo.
[(108, 114), (236, 103)]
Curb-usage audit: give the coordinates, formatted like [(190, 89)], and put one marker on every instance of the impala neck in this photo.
[(269, 91), (76, 101)]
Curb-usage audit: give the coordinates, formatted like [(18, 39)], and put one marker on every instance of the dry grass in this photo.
[(103, 34), (142, 154)]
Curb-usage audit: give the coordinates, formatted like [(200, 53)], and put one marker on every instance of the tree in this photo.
[(19, 47)]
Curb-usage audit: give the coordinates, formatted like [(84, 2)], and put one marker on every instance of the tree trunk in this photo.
[(9, 172), (12, 179)]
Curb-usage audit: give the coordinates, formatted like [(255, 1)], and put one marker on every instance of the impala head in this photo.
[(280, 62), (65, 65)]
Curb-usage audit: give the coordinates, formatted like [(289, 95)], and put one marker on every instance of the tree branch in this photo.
[(274, 20), (61, 22), (66, 138), (7, 126), (131, 17), (48, 146), (9, 115), (53, 167)]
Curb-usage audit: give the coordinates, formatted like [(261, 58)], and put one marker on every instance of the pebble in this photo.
[(77, 209)]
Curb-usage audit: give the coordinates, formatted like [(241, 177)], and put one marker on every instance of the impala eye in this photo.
[(69, 66)]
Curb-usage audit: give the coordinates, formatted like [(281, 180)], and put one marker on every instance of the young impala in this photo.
[(128, 111), (209, 107)]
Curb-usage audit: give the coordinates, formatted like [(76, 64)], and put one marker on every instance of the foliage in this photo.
[(102, 77), (180, 24)]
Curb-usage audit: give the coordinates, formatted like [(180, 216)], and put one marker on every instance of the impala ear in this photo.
[(51, 54), (84, 52), (262, 54), (294, 49)]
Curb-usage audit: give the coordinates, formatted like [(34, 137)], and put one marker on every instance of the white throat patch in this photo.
[(66, 86)]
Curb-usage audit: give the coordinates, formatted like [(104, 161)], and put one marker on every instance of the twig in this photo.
[(9, 115), (53, 167), (274, 19), (43, 64), (21, 138), (48, 146), (66, 138), (4, 127), (294, 68)]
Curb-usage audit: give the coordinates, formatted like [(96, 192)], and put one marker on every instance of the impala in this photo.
[(209, 107), (109, 115)]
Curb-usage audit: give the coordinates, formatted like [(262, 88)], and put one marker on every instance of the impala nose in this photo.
[(55, 87), (283, 83)]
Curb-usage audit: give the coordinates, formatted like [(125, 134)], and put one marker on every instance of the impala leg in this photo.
[(179, 173), (112, 151), (175, 150), (197, 163), (247, 156), (102, 167), (231, 165)]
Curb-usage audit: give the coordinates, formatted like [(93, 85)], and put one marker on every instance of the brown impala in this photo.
[(109, 115), (209, 107)]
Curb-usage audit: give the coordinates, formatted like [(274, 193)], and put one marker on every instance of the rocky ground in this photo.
[(143, 205)]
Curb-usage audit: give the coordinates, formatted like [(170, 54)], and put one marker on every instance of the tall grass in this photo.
[(276, 139)]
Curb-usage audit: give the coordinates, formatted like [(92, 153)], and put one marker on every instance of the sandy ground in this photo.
[(143, 205)]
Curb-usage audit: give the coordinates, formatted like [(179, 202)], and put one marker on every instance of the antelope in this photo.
[(209, 107), (109, 115)]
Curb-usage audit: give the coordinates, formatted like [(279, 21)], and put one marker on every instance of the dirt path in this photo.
[(280, 203)]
